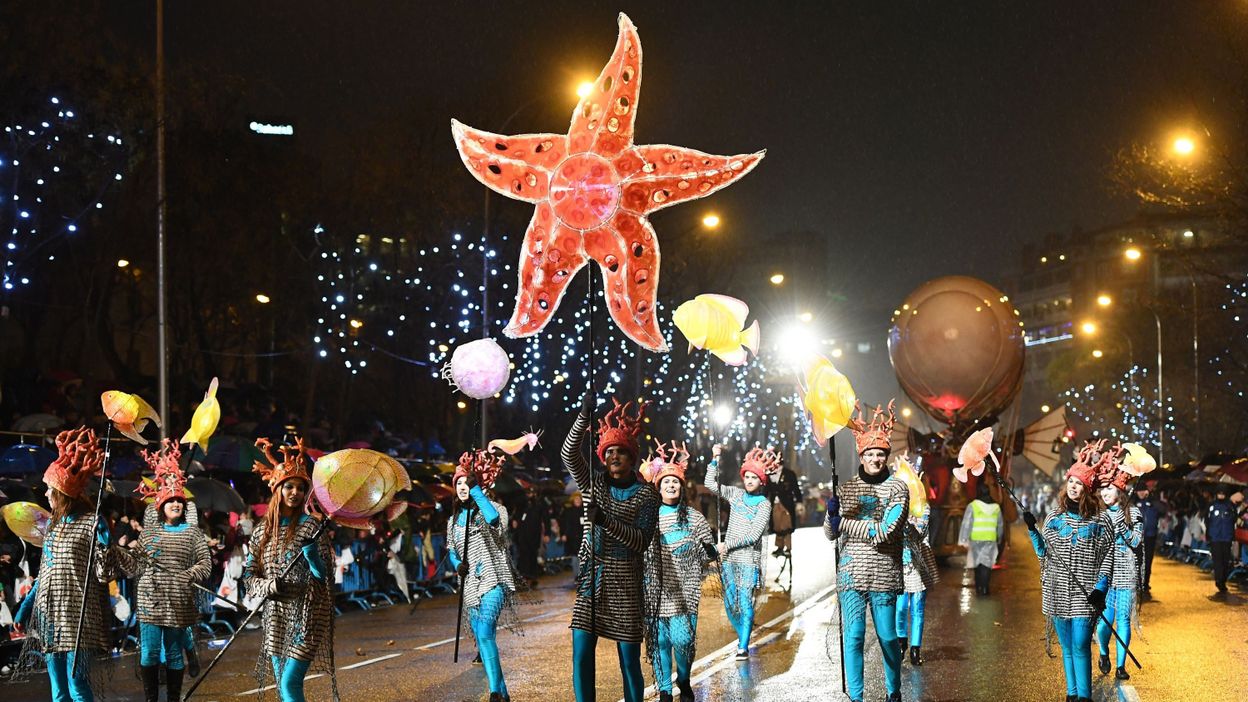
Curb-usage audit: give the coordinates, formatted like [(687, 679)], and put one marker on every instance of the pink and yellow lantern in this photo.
[(354, 485)]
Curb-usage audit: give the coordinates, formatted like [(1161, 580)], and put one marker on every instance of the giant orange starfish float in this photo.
[(593, 189)]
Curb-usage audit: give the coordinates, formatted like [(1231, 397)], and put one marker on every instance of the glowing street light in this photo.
[(777, 279), (122, 263), (1132, 254), (262, 298), (1097, 353), (1088, 328), (585, 88), (711, 220), (1044, 408), (906, 412), (722, 415), (795, 343), (356, 324), (806, 317), (1184, 146), (1104, 300)]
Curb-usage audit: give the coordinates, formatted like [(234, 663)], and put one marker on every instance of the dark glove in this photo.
[(1096, 598), (470, 480), (711, 552), (1030, 519), (595, 516), (462, 569), (587, 405), (834, 505)]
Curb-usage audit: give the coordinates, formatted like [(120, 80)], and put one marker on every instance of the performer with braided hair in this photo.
[(298, 616), (487, 577), (1074, 547), (676, 563), (50, 611), (742, 548), (621, 513), (868, 517), (1122, 603), (174, 555)]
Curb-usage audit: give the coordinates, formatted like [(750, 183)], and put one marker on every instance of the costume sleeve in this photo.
[(964, 532), (574, 458), (731, 493), (452, 548), (754, 530), (1105, 551), (636, 537), (487, 509), (129, 564), (832, 523), (878, 531), (702, 534), (922, 523), (255, 579), (1037, 537), (201, 568)]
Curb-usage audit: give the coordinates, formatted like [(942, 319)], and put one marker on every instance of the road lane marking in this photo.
[(370, 661), (435, 644), (1127, 693), (266, 688)]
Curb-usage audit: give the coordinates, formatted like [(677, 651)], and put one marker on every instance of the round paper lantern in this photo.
[(353, 485), (957, 348), (479, 369), (28, 520)]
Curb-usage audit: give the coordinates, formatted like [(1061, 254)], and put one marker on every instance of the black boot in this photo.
[(1072, 698), (903, 643), (1102, 664), (916, 658), (150, 675), (192, 661), (665, 696), (686, 690), (1122, 673), (173, 685), (893, 697)]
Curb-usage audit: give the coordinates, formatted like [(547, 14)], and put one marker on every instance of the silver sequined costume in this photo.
[(165, 594), (918, 563), (1076, 551)]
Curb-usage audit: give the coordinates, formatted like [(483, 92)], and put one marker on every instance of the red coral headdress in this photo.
[(1094, 466), (666, 460), (292, 464), (484, 466), (170, 480), (618, 428), (760, 462), (79, 457), (876, 433)]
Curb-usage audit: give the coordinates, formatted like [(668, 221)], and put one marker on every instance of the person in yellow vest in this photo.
[(982, 528)]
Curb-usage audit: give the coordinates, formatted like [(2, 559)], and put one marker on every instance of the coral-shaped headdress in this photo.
[(484, 467), (78, 459), (292, 464), (876, 433), (664, 461), (1094, 466), (619, 428), (760, 462), (170, 480)]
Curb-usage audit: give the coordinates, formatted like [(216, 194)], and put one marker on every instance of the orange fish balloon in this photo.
[(129, 413), (204, 421), (513, 446), (827, 397)]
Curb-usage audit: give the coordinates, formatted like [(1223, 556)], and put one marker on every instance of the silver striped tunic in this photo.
[(872, 517), (1074, 552), (488, 564), (614, 608), (58, 595), (165, 594), (297, 626), (1126, 541), (918, 563), (678, 561), (746, 522)]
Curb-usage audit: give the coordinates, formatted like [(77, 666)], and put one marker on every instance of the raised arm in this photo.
[(711, 481), (574, 457), (878, 531)]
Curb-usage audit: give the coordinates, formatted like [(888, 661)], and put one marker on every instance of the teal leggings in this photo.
[(883, 606), (1075, 636), (739, 582), (65, 688), (161, 644), (583, 674), (675, 640), (911, 606), (484, 620), (1118, 605), (289, 673)]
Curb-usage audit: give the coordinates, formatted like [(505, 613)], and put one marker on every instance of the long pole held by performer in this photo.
[(320, 528), (836, 560), (459, 619), (95, 545)]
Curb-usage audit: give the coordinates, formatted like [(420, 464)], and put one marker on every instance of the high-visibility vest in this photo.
[(984, 521)]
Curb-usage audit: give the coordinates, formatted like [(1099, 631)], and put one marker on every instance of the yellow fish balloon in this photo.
[(827, 397), (903, 471), (28, 520), (129, 413), (716, 323), (204, 421)]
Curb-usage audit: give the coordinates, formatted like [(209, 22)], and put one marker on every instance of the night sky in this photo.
[(920, 138)]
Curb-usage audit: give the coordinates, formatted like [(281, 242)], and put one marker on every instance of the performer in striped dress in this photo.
[(623, 512), (1122, 603), (676, 563), (298, 616), (1075, 547), (172, 555), (868, 517), (50, 611), (742, 549), (486, 575), (918, 574)]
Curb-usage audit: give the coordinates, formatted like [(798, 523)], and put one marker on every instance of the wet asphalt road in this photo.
[(976, 648)]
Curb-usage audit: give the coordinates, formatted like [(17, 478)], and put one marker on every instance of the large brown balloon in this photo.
[(957, 347)]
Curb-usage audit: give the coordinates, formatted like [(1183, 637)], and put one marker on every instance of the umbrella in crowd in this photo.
[(215, 496), (21, 459)]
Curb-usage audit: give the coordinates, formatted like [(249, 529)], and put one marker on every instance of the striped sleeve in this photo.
[(574, 458)]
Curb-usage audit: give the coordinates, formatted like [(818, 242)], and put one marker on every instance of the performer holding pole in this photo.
[(867, 517), (621, 513), (286, 564), (477, 533), (676, 563), (65, 622), (172, 556), (741, 551), (1122, 602), (1076, 565)]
